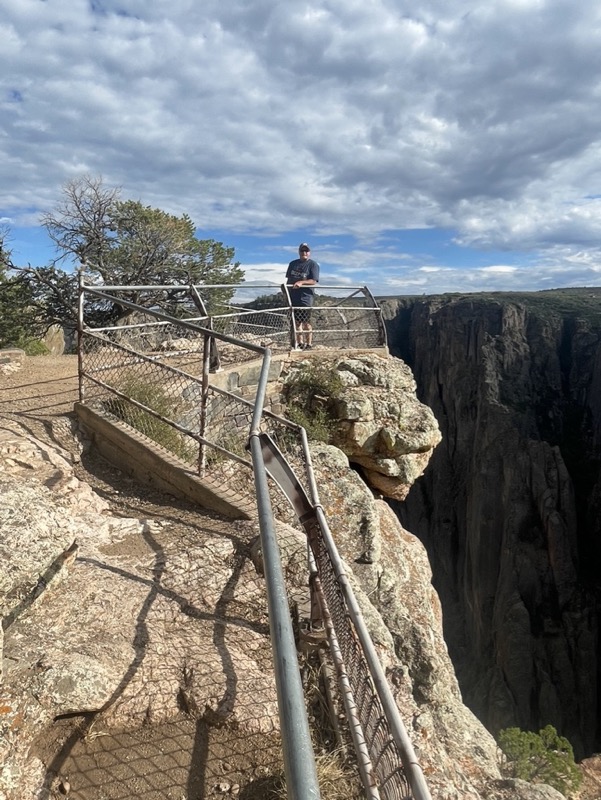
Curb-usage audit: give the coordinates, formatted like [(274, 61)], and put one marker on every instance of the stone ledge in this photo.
[(146, 461)]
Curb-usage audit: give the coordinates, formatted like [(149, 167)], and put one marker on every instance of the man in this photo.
[(301, 276)]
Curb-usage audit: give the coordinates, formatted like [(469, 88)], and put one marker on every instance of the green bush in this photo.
[(33, 347), (154, 397), (19, 320), (309, 394), (543, 757), (315, 422)]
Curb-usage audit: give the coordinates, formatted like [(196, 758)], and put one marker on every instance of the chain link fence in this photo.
[(160, 375), (346, 321), (383, 767), (378, 752)]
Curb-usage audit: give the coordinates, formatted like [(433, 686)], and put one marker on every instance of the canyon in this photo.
[(508, 508)]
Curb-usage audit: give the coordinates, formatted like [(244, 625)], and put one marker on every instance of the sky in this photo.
[(439, 146)]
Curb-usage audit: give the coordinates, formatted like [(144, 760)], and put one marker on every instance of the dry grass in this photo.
[(336, 781)]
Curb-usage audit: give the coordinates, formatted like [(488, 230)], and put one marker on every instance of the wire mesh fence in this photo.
[(152, 370), (390, 781), (158, 400), (384, 753), (263, 315), (158, 374), (346, 321)]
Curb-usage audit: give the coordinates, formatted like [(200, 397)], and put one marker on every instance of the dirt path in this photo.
[(44, 386), (38, 396)]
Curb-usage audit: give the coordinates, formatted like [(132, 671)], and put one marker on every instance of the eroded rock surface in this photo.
[(378, 422), (141, 620)]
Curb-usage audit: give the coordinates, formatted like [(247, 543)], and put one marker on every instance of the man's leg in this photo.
[(308, 329), (298, 324)]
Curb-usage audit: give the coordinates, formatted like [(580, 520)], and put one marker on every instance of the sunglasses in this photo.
[(305, 250)]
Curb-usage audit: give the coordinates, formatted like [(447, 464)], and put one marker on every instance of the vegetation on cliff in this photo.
[(309, 393), (543, 757)]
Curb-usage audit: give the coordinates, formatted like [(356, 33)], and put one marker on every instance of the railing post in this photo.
[(204, 401), (80, 307), (381, 326), (286, 294)]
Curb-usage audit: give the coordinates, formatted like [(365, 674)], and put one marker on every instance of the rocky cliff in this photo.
[(139, 624), (508, 508)]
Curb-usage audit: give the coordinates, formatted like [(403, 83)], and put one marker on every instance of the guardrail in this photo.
[(342, 316), (156, 373)]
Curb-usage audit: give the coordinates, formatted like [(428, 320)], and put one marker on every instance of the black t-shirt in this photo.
[(299, 270)]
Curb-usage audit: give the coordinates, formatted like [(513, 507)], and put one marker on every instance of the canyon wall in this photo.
[(508, 508)]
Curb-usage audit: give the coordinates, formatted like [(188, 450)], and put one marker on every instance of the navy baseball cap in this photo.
[(304, 246)]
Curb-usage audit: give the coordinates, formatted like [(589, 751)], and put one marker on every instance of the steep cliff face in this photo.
[(509, 506)]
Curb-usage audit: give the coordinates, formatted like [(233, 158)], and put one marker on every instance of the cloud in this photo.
[(337, 117)]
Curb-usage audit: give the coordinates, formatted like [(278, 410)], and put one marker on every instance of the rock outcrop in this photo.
[(134, 621), (509, 505), (377, 420)]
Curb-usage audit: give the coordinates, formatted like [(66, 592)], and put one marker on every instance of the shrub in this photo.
[(19, 319), (309, 394), (153, 396), (33, 347), (543, 757)]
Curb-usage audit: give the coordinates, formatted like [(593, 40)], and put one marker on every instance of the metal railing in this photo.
[(342, 316), (157, 373)]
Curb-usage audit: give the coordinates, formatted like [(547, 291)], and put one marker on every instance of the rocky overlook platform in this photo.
[(135, 630)]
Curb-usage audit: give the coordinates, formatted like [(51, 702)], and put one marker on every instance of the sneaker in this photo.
[(308, 347)]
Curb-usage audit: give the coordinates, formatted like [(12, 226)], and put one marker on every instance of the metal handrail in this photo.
[(297, 750), (411, 764), (299, 762), (311, 516)]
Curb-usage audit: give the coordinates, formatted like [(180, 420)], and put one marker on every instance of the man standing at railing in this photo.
[(301, 276)]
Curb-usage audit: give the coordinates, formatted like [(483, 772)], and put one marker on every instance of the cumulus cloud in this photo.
[(336, 117)]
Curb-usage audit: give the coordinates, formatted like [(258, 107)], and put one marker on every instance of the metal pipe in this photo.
[(80, 299), (170, 422), (198, 301), (180, 322), (186, 286), (411, 765), (204, 401), (299, 759), (352, 716), (381, 326), (293, 331)]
